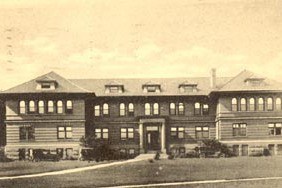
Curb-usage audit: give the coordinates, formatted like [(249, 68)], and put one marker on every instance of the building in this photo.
[(143, 115)]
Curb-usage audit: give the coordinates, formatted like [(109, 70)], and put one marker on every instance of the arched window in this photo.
[(69, 107), (156, 109), (197, 108), (260, 104), (31, 106), (243, 104), (181, 109), (105, 109), (172, 109), (278, 104), (269, 104), (59, 107), (252, 104), (122, 109), (147, 109), (234, 105), (41, 108), (22, 107), (130, 109), (205, 109), (50, 106)]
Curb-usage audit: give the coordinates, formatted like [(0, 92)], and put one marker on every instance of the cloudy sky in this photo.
[(140, 38)]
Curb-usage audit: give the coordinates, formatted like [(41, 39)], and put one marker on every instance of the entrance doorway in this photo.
[(245, 150), (152, 138)]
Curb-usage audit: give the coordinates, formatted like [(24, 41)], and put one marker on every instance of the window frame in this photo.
[(60, 109), (103, 132), (181, 112), (239, 129), (147, 109), (29, 133), (31, 108), (243, 104), (22, 107), (172, 108), (105, 109), (252, 106), (234, 104), (261, 106), (200, 129), (122, 110), (274, 129), (197, 110), (50, 107), (67, 132), (176, 131), (156, 109), (41, 107), (97, 110), (205, 110), (130, 109), (69, 108), (278, 106), (269, 105), (126, 133)]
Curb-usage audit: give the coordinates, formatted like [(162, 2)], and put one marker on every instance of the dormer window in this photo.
[(151, 88), (114, 87), (46, 84), (254, 81), (188, 87)]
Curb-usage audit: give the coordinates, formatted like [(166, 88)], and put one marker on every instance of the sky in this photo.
[(140, 38)]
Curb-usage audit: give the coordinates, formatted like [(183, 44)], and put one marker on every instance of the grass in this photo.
[(27, 167), (166, 171)]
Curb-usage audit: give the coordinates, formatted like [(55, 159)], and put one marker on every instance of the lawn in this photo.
[(27, 167), (165, 171)]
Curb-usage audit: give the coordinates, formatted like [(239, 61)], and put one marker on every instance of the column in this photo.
[(141, 137), (163, 138)]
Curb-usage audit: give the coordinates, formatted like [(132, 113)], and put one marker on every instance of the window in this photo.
[(147, 109), (102, 133), (45, 85), (172, 109), (156, 109), (252, 104), (234, 105), (121, 109), (278, 104), (274, 128), (105, 109), (130, 109), (181, 109), (26, 133), (41, 109), (69, 107), (131, 151), (260, 104), (205, 109), (31, 106), (97, 110), (22, 107), (239, 129), (202, 132), (269, 104), (50, 106), (243, 104), (126, 133), (177, 132), (197, 108), (59, 107), (64, 132)]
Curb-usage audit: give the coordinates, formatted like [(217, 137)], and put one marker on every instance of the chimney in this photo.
[(213, 78)]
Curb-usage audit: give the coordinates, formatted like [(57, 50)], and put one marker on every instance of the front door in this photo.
[(153, 142), (245, 149)]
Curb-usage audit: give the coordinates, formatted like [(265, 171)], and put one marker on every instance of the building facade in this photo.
[(143, 115)]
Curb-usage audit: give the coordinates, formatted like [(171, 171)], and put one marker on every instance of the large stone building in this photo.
[(143, 115)]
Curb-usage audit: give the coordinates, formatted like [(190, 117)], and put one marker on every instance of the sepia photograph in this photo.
[(140, 93)]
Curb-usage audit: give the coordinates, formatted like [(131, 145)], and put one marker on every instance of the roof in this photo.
[(239, 83), (133, 86), (63, 85)]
